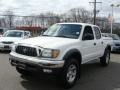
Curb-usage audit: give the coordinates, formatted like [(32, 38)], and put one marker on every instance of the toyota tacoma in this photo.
[(60, 51)]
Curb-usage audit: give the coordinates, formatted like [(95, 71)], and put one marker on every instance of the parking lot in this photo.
[(94, 77)]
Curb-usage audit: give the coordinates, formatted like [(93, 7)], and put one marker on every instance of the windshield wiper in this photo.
[(46, 35), (63, 36), (59, 36)]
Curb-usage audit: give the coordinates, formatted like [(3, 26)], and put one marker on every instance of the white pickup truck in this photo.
[(60, 51)]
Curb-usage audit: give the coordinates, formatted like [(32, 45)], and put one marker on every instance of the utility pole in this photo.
[(112, 6), (94, 13), (95, 2)]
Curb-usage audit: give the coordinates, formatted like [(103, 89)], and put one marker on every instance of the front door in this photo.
[(88, 44)]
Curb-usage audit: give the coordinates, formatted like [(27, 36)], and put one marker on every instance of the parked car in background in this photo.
[(115, 42), (107, 39), (12, 36)]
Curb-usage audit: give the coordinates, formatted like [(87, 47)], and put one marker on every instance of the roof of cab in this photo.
[(83, 24)]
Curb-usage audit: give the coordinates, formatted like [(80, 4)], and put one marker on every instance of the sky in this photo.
[(28, 7)]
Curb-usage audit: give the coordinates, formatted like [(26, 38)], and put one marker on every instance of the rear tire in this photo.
[(105, 59)]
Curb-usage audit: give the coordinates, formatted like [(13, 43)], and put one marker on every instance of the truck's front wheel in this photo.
[(104, 60), (70, 73)]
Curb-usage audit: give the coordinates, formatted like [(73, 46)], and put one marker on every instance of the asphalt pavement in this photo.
[(94, 77)]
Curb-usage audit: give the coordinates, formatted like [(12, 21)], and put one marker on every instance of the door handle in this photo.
[(94, 44)]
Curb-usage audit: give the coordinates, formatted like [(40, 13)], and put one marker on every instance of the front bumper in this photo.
[(5, 46), (38, 64)]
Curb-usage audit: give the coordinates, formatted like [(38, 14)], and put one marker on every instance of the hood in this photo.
[(10, 39), (49, 42)]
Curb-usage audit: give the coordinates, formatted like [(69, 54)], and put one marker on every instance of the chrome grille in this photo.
[(25, 50)]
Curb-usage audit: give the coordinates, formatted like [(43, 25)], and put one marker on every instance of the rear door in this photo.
[(99, 43)]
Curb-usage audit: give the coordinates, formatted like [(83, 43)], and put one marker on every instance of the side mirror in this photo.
[(88, 37), (25, 37)]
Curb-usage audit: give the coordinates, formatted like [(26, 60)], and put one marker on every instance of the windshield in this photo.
[(115, 37), (64, 30), (13, 34)]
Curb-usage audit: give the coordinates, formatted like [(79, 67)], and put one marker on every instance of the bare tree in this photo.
[(2, 22), (27, 21), (48, 19), (52, 18), (79, 15), (74, 15), (9, 16), (41, 18)]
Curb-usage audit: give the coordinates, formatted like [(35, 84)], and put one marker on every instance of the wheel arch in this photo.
[(108, 47), (73, 53)]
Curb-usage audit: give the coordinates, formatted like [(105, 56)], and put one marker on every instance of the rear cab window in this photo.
[(97, 33)]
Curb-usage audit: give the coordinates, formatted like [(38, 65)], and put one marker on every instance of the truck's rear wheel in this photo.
[(104, 60), (70, 73), (22, 71)]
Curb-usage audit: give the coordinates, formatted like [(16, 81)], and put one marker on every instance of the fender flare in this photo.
[(108, 47), (72, 52)]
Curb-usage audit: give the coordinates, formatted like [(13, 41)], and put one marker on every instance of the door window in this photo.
[(97, 33), (88, 33)]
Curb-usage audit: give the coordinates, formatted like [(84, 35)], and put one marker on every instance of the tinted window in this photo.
[(97, 33), (64, 30), (13, 34), (88, 33)]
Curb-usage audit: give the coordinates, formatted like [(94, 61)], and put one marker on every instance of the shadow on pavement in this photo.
[(94, 77), (117, 52), (5, 52), (36, 82)]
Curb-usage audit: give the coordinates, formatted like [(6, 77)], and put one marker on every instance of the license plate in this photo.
[(7, 47)]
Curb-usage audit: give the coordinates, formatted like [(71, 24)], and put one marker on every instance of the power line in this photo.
[(95, 2)]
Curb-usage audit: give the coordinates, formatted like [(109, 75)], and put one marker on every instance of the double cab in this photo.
[(60, 51)]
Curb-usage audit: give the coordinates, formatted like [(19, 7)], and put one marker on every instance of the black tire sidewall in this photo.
[(103, 58), (65, 82)]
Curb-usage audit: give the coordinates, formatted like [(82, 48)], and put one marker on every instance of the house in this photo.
[(35, 31)]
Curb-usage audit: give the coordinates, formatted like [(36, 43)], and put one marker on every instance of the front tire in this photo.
[(105, 59), (70, 73)]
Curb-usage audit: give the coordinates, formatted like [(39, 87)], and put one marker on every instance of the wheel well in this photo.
[(74, 54), (77, 56), (109, 47)]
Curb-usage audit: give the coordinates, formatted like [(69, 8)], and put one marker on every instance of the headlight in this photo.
[(49, 53)]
